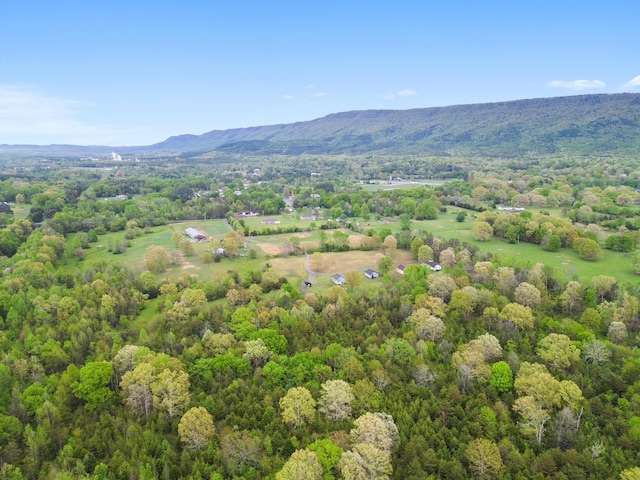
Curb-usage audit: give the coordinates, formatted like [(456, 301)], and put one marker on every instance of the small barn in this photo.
[(338, 279), (370, 273), (400, 269), (196, 235)]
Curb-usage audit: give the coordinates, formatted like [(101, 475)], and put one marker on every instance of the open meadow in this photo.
[(276, 249)]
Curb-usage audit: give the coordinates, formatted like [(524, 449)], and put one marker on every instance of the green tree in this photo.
[(528, 295), (501, 377), (92, 387), (587, 249), (517, 314), (297, 406), (425, 253), (630, 474), (553, 243), (328, 454), (136, 388), (376, 429), (157, 259), (482, 231), (384, 265), (171, 392), (558, 350), (316, 261), (484, 458), (426, 326), (336, 399), (301, 464), (240, 449), (196, 428), (365, 462), (415, 247)]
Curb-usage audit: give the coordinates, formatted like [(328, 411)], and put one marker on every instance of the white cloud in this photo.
[(634, 82), (320, 94), (576, 84), (401, 93), (310, 86), (288, 97), (31, 115)]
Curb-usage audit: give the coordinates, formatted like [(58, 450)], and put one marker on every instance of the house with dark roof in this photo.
[(434, 266), (400, 269), (370, 273)]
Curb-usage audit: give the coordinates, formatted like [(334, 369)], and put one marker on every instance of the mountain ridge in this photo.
[(579, 124)]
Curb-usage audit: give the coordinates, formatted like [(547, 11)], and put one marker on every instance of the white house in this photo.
[(369, 273)]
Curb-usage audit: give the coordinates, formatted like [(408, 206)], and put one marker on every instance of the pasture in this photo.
[(276, 248)]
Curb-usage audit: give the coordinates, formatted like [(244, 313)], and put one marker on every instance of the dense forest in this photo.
[(493, 366)]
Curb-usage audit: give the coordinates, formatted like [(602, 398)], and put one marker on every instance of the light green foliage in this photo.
[(425, 253), (534, 380), (558, 350), (384, 265), (630, 474), (528, 295), (257, 352), (335, 400), (482, 231), (426, 326), (501, 377), (301, 464), (297, 406), (171, 392), (365, 462), (596, 352), (328, 454), (484, 458), (196, 428), (517, 314), (617, 332), (157, 259), (376, 429)]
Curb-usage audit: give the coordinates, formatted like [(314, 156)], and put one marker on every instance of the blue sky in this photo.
[(136, 72)]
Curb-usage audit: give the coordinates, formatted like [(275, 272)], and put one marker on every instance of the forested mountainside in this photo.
[(595, 124), (575, 125)]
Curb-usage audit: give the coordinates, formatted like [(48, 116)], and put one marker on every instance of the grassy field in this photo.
[(395, 185), (269, 247), (566, 260), (21, 211), (163, 236), (286, 221)]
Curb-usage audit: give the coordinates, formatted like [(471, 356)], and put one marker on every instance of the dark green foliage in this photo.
[(620, 243)]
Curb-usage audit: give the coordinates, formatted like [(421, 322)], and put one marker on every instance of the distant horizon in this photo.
[(137, 73), (139, 145)]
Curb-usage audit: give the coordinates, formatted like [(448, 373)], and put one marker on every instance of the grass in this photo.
[(21, 211), (565, 261), (286, 221), (162, 236), (395, 185)]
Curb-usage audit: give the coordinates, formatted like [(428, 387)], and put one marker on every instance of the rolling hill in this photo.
[(602, 124), (583, 124)]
